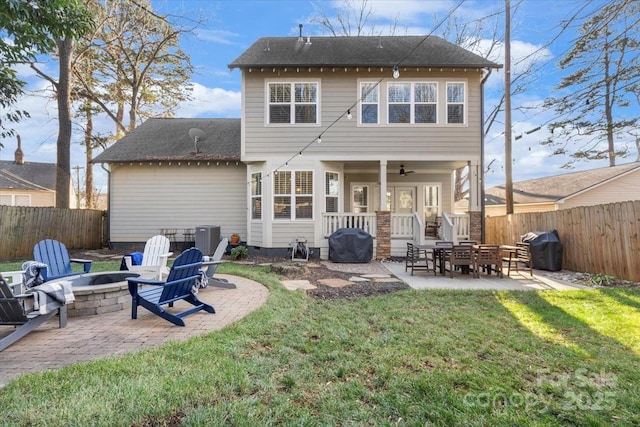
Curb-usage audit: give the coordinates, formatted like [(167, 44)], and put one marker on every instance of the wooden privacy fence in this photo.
[(22, 227), (602, 239)]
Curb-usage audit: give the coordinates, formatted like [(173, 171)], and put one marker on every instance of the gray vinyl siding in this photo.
[(347, 139), (285, 233), (146, 198)]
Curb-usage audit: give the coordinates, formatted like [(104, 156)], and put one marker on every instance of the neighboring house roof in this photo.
[(557, 187), (27, 176), (387, 51), (169, 139)]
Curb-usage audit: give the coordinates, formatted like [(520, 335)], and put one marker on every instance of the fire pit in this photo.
[(100, 292)]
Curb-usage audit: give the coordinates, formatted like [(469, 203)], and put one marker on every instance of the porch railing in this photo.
[(403, 226), (454, 227), (331, 222)]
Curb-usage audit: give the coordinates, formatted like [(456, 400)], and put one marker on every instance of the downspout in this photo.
[(482, 221), (108, 203)]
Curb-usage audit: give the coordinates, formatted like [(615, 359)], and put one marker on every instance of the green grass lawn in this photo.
[(411, 358)]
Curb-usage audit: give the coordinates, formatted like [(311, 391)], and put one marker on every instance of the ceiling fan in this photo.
[(403, 172)]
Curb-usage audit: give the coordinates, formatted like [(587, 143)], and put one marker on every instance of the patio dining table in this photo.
[(440, 251)]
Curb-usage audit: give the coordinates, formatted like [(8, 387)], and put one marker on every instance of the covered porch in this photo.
[(394, 200), (402, 227)]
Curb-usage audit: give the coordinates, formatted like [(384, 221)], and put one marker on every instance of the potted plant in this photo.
[(235, 239)]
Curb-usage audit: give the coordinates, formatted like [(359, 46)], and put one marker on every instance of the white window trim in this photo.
[(464, 102), (13, 199), (412, 102), (292, 194), (252, 197), (329, 195), (361, 102), (369, 195), (292, 82)]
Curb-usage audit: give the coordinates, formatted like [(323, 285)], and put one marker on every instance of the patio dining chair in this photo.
[(418, 259), (460, 256), (521, 255), (487, 258)]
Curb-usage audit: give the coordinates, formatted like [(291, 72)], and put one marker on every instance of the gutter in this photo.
[(482, 195), (102, 165)]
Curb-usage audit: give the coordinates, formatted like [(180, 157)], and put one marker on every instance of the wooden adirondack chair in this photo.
[(16, 311), (55, 255), (180, 285), (154, 258), (210, 267)]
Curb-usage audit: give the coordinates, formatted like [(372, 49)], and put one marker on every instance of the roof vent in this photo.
[(308, 40), (380, 43), (300, 38)]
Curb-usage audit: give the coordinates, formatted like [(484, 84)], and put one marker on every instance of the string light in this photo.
[(396, 74)]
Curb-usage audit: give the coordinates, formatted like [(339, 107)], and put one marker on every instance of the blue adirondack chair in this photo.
[(180, 285), (55, 255)]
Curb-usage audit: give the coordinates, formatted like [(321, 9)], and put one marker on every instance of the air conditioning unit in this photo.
[(207, 238)]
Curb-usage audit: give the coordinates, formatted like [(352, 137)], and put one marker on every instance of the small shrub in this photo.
[(601, 279), (239, 252)]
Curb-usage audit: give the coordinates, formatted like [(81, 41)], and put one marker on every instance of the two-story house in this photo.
[(355, 131), (335, 132)]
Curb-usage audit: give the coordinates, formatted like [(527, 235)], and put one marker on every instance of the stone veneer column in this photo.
[(383, 234), (475, 226)]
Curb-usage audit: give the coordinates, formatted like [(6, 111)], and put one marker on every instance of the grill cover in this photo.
[(350, 245), (546, 250)]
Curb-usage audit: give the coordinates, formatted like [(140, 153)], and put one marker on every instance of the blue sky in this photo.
[(229, 27)]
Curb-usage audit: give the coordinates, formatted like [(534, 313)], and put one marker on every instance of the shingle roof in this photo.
[(384, 51), (168, 139), (557, 187), (28, 176)]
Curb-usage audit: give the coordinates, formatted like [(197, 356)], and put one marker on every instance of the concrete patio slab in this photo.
[(516, 282)]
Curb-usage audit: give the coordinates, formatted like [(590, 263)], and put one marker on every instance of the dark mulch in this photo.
[(314, 272)]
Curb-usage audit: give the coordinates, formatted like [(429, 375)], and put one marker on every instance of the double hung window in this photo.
[(293, 195), (293, 103), (412, 102), (455, 102), (256, 195), (369, 103), (331, 191)]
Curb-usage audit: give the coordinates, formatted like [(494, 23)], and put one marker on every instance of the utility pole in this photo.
[(77, 168), (508, 157)]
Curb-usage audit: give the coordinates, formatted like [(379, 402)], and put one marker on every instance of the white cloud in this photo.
[(217, 36), (211, 101)]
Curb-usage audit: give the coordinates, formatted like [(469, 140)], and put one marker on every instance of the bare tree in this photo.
[(130, 62), (602, 63)]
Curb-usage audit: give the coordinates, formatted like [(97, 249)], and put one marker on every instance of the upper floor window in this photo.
[(256, 195), (412, 102), (293, 102), (369, 102), (293, 195), (455, 102)]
